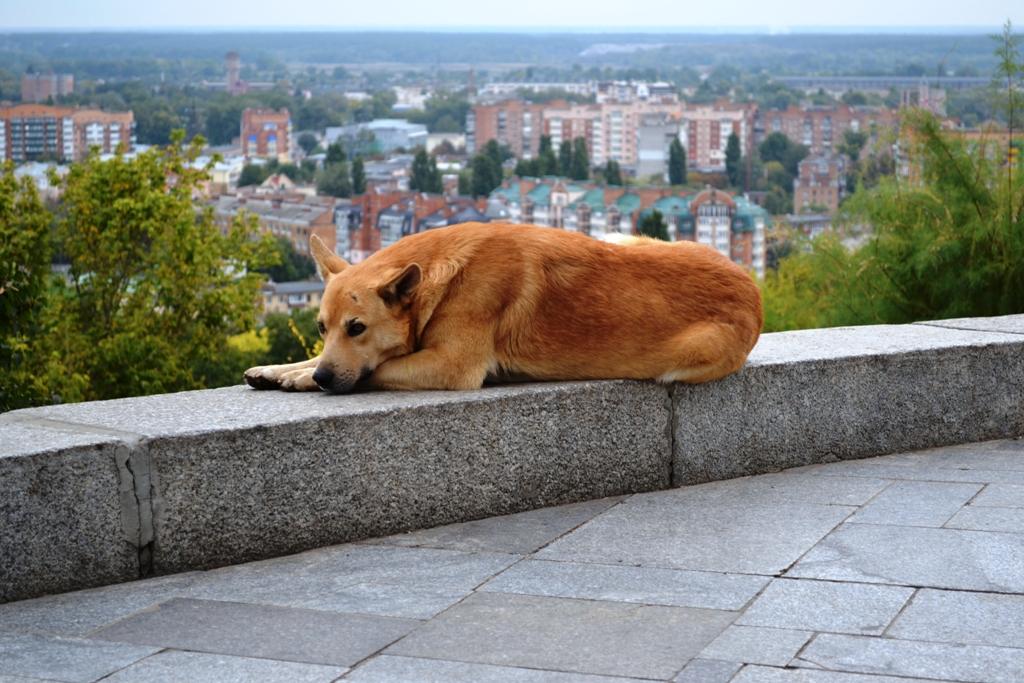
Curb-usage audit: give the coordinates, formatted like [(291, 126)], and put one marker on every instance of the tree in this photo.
[(335, 154), (527, 168), (612, 173), (308, 142), (653, 225), (486, 175), (291, 265), (676, 163), (333, 180), (565, 166), (778, 147), (252, 174), (732, 160), (425, 176), (547, 161), (157, 287), (358, 176), (24, 275), (580, 160)]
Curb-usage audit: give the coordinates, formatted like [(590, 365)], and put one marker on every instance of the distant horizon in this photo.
[(978, 29)]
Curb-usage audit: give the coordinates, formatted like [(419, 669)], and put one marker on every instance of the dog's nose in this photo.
[(324, 377)]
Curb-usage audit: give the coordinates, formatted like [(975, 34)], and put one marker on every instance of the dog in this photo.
[(453, 307)]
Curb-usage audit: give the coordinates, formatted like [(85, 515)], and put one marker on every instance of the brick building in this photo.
[(30, 132), (42, 87), (821, 128), (290, 215), (705, 133), (266, 133), (821, 183), (515, 123)]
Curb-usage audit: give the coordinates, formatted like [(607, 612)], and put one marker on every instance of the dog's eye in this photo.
[(356, 329), (320, 326)]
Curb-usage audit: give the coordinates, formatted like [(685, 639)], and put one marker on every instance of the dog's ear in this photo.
[(327, 262), (401, 287)]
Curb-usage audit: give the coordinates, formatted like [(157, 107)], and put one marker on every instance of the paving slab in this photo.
[(988, 519), (841, 388), (388, 669), (918, 556), (677, 532), (764, 674), (65, 659), (773, 489), (245, 475), (174, 667), (940, 661), (78, 613), (916, 503), (414, 583), (826, 606), (521, 533), (583, 636), (963, 617), (1001, 495), (267, 632), (644, 585), (63, 523), (708, 671), (757, 645)]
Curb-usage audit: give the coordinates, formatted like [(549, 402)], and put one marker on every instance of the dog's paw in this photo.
[(262, 377), (299, 380)]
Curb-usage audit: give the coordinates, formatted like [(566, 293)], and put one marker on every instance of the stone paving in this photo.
[(901, 568)]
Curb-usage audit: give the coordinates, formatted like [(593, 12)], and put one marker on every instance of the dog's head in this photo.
[(365, 318)]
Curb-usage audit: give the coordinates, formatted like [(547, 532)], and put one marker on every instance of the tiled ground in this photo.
[(895, 569)]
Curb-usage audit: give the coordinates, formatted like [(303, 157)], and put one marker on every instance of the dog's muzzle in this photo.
[(338, 384)]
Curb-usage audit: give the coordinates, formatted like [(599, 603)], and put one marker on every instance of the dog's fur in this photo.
[(449, 308)]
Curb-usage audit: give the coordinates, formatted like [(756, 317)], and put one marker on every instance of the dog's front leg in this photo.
[(290, 377), (435, 368)]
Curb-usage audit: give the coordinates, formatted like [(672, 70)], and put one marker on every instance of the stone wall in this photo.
[(103, 492)]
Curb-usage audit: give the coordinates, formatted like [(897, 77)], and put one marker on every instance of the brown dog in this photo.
[(448, 308)]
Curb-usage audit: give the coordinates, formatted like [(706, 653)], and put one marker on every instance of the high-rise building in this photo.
[(515, 123), (39, 132), (611, 129), (233, 74), (266, 133), (822, 128), (821, 183), (705, 133), (41, 87)]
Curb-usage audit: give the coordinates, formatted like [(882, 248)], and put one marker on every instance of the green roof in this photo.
[(511, 193), (540, 195), (746, 214), (593, 198), (672, 206), (628, 203)]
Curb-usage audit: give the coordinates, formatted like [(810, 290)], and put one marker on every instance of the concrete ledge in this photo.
[(103, 492)]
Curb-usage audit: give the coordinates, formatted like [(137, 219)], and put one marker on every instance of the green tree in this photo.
[(252, 174), (733, 169), (157, 287), (612, 173), (580, 160), (308, 142), (676, 163), (333, 180), (653, 225), (358, 176), (24, 274), (547, 161), (283, 335), (565, 165), (425, 176), (335, 154), (486, 175), (291, 265), (527, 168)]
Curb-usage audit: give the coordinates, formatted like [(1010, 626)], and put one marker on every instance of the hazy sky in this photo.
[(571, 14)]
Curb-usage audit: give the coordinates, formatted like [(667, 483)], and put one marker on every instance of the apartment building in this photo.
[(515, 123), (266, 134), (821, 183), (42, 87), (731, 224), (705, 130), (31, 132), (294, 216), (821, 128)]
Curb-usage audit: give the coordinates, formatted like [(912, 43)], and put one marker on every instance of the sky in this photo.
[(761, 15)]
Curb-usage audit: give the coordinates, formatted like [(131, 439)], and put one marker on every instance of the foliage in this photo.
[(24, 275), (307, 141), (333, 180), (444, 112), (676, 163), (252, 174), (612, 173), (291, 265), (335, 153), (565, 163), (547, 162), (157, 287), (486, 171), (358, 176), (425, 176), (732, 160), (580, 160), (653, 225), (290, 337)]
